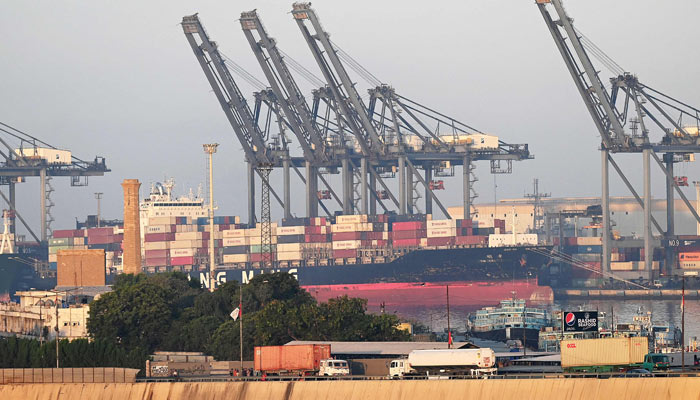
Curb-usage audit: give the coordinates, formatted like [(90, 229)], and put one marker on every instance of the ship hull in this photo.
[(476, 276), (462, 293)]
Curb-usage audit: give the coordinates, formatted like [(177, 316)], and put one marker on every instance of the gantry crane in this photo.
[(626, 117), (31, 158)]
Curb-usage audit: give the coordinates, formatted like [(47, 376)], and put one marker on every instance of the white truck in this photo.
[(474, 362)]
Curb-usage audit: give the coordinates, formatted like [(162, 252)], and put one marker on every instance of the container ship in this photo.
[(386, 259)]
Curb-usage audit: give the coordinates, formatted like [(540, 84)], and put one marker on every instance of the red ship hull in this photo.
[(476, 294)]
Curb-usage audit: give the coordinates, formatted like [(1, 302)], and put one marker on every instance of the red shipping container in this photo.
[(316, 238), (399, 235), (100, 231), (312, 230), (296, 358), (156, 262), (471, 240), (406, 242), (464, 231), (62, 233), (257, 257), (347, 236), (101, 239), (465, 223), (182, 260), (118, 238), (159, 237), (156, 253), (408, 226), (349, 253), (441, 241), (570, 241)]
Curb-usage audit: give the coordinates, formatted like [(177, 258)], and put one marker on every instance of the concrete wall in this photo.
[(516, 389)]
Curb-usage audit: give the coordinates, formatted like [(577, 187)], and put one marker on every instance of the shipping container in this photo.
[(102, 239), (471, 240), (182, 260), (65, 241), (408, 226), (290, 359), (181, 253), (50, 155), (413, 234), (442, 223), (589, 241), (156, 253), (608, 352), (346, 253), (235, 250), (233, 233), (346, 244), (157, 262), (289, 255), (235, 258), (350, 219), (441, 241), (156, 245), (239, 241), (407, 242), (441, 232)]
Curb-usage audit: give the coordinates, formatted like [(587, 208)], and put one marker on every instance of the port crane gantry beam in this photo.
[(15, 166), (625, 130)]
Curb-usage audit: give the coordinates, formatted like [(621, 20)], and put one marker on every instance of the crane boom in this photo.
[(288, 94), (348, 99), (585, 76), (227, 92)]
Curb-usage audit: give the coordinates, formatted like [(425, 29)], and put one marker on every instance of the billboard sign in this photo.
[(580, 321)]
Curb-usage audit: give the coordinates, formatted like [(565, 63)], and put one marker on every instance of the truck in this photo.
[(303, 360), (474, 362), (610, 355)]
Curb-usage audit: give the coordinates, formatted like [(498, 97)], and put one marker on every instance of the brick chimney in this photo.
[(132, 227)]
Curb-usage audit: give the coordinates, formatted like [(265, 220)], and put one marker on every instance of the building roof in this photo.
[(381, 348)]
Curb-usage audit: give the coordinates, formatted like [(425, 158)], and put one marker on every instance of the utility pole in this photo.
[(98, 196), (210, 149), (449, 331), (240, 321), (57, 331)]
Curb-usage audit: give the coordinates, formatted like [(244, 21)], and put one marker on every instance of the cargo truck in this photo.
[(475, 362), (305, 359), (610, 355)]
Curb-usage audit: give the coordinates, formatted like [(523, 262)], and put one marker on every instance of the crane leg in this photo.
[(648, 249), (286, 195), (605, 205), (670, 254), (251, 195), (402, 185), (428, 197)]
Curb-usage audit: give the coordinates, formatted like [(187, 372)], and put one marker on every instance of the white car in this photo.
[(331, 367)]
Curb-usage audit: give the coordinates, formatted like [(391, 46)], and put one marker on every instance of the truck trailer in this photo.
[(610, 355), (473, 362), (305, 359)]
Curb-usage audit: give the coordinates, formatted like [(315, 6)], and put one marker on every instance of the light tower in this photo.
[(98, 196), (210, 149)]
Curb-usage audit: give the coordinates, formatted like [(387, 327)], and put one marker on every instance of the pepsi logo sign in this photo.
[(570, 319)]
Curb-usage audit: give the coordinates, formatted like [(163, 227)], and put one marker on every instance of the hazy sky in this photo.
[(118, 79)]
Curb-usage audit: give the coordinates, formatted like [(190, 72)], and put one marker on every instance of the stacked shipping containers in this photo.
[(108, 239), (352, 233)]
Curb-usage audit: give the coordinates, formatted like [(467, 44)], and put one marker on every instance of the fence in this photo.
[(68, 375)]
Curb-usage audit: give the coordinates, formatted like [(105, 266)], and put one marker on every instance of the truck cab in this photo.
[(656, 362), (332, 367), (400, 368)]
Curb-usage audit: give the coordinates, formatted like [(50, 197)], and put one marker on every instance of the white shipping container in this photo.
[(608, 351), (181, 252), (589, 241), (350, 219), (159, 229), (346, 244), (79, 241), (188, 236), (507, 239), (161, 221), (233, 233), (338, 228), (186, 244), (290, 230), (289, 255), (156, 245), (235, 258), (442, 232), (236, 241), (294, 247), (442, 223), (185, 228), (689, 264), (52, 156), (53, 257)]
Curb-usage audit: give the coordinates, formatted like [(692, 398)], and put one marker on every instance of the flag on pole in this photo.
[(235, 314), (449, 338)]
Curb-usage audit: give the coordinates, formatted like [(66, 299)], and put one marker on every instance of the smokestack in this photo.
[(132, 227)]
